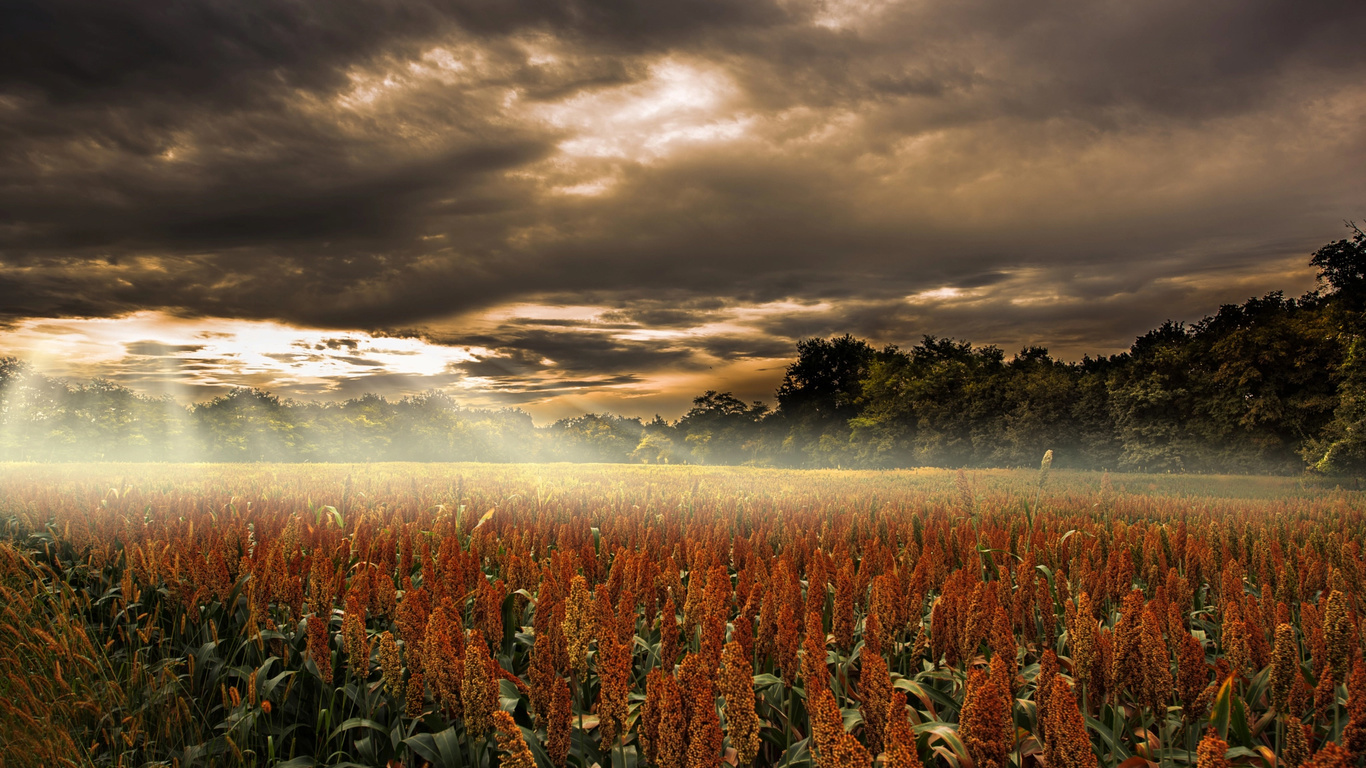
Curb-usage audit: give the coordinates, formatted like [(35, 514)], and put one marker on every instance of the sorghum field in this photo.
[(553, 615)]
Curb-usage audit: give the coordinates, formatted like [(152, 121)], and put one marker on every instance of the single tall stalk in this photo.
[(579, 697), (1280, 737), (791, 707), (1116, 730), (1032, 510)]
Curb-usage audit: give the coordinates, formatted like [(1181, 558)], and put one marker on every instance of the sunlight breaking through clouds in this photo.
[(549, 359), (164, 354), (681, 103)]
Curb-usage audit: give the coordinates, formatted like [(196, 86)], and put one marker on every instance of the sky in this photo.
[(614, 205)]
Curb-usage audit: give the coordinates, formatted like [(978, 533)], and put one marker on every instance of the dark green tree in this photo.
[(721, 429), (817, 398)]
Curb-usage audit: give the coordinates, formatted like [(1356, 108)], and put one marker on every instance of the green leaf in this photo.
[(1239, 724), (211, 748), (797, 755), (268, 687), (928, 695), (358, 722), (537, 751), (1257, 686), (1107, 737), (584, 747), (508, 695), (766, 680), (449, 749), (425, 746), (1063, 539), (948, 758), (512, 621), (1219, 712), (982, 550), (945, 732)]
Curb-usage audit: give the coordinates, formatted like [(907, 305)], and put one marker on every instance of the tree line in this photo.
[(1273, 385)]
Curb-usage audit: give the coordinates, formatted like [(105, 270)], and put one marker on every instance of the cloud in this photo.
[(157, 349), (691, 185)]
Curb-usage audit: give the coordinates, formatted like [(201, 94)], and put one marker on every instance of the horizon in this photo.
[(328, 394)]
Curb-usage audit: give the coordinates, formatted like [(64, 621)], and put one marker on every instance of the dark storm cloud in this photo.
[(1076, 171), (750, 347), (248, 51), (520, 352)]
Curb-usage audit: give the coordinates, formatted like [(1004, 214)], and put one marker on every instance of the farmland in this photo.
[(557, 615)]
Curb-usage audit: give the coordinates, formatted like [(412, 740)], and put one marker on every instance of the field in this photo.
[(557, 615)]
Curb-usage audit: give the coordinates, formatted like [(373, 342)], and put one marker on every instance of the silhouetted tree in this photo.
[(1342, 264)]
